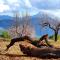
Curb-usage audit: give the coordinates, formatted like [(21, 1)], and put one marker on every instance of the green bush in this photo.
[(52, 37), (5, 34)]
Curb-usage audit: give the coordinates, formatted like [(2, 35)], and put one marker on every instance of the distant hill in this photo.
[(6, 21), (41, 16), (5, 17)]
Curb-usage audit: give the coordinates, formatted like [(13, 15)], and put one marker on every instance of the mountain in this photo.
[(6, 21), (5, 17), (53, 20)]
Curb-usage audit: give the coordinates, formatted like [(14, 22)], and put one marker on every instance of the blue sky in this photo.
[(32, 6), (46, 4)]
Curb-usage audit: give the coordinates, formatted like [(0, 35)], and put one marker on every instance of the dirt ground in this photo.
[(14, 53), (23, 58)]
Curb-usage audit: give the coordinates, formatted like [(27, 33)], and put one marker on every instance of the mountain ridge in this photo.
[(6, 21)]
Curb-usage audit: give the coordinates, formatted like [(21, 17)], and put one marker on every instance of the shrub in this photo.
[(5, 34)]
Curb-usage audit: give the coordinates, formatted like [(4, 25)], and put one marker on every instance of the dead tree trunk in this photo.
[(56, 35)]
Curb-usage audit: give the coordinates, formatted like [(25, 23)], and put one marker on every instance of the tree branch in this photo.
[(47, 24)]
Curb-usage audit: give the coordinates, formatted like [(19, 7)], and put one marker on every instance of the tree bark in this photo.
[(56, 36)]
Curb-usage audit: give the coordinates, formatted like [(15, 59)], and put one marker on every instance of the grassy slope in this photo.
[(57, 44), (14, 53), (16, 50), (13, 50)]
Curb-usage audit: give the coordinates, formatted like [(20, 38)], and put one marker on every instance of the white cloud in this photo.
[(36, 1), (46, 4), (27, 3), (53, 13), (12, 1), (1, 1), (8, 6), (3, 7), (34, 11)]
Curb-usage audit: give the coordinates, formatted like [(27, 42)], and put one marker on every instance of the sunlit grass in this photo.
[(52, 41), (15, 49), (56, 44)]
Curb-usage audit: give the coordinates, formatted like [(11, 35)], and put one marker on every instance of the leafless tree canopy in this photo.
[(22, 26), (52, 23)]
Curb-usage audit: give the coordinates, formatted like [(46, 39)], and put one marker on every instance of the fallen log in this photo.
[(40, 52)]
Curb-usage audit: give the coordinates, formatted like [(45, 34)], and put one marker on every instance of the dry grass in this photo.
[(14, 53), (56, 44)]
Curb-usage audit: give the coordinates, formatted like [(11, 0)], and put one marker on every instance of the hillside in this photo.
[(14, 53), (7, 21)]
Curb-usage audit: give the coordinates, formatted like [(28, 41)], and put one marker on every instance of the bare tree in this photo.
[(16, 18), (56, 29), (27, 28), (52, 23), (22, 26)]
